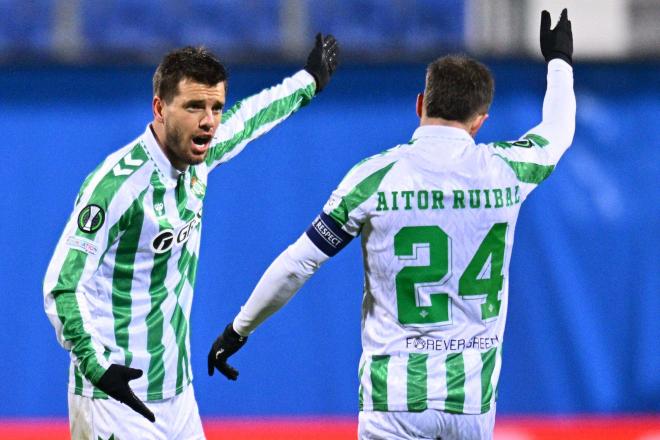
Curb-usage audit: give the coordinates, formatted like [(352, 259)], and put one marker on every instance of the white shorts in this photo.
[(429, 424), (176, 418)]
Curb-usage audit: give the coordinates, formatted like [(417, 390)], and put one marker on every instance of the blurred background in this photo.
[(581, 353)]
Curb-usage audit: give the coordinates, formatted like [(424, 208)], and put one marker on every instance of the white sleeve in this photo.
[(285, 276), (558, 123), (534, 156), (253, 116)]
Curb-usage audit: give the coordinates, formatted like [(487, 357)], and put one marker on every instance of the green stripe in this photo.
[(529, 172), (360, 192), (381, 154), (192, 270), (69, 277), (455, 383), (417, 378), (97, 393), (158, 294), (179, 320), (122, 276), (229, 113), (274, 111), (180, 326), (87, 181), (379, 365), (488, 366), (361, 388), (181, 193), (537, 139)]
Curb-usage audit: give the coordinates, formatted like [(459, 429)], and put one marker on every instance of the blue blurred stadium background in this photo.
[(583, 328)]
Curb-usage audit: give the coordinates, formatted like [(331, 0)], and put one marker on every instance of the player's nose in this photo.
[(208, 121)]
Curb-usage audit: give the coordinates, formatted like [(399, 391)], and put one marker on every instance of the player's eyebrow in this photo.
[(195, 103), (218, 105)]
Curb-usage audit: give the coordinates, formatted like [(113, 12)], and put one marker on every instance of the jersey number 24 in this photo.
[(473, 284)]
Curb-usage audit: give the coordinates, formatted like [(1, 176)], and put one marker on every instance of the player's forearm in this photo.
[(285, 276), (76, 337), (559, 104)]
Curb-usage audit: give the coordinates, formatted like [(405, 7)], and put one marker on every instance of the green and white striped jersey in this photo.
[(119, 287), (437, 219)]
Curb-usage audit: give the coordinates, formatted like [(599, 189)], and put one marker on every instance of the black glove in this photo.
[(115, 384), (228, 343), (557, 42), (322, 60)]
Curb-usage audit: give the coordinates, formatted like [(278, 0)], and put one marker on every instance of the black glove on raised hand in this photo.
[(557, 42), (115, 384), (322, 60), (228, 343)]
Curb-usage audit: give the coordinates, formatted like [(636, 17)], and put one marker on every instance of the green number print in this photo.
[(436, 272), (473, 284)]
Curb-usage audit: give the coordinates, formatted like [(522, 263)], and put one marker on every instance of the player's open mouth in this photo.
[(201, 143)]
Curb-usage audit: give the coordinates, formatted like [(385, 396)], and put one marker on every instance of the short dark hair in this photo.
[(457, 88), (195, 63)]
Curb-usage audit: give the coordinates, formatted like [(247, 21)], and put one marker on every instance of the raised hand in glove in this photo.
[(322, 60), (557, 42), (228, 343), (114, 383)]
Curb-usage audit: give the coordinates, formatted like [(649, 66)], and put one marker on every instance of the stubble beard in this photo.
[(179, 151)]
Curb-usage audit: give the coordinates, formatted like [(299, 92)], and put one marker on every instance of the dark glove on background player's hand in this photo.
[(114, 383), (322, 60), (557, 42), (228, 343)]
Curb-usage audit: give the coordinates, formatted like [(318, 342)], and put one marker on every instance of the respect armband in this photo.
[(328, 235)]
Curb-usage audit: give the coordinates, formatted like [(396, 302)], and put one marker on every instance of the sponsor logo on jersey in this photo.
[(127, 165), (166, 239), (82, 244), (460, 344), (91, 218), (524, 144)]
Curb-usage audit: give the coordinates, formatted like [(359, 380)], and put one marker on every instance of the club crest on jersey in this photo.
[(197, 187), (159, 208), (166, 239), (91, 218)]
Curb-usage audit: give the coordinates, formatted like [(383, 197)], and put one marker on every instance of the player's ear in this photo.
[(476, 123), (157, 107), (419, 104)]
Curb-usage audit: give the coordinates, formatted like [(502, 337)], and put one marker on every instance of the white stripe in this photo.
[(141, 299), (367, 389), (473, 366), (437, 382), (240, 146), (397, 383), (496, 373)]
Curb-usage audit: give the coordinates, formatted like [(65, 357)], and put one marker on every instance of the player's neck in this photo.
[(443, 122)]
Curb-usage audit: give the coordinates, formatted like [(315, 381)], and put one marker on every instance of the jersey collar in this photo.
[(442, 131), (167, 171)]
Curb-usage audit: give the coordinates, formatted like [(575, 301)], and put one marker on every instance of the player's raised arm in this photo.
[(254, 116), (534, 156)]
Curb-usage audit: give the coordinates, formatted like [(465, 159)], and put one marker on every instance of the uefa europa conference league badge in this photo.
[(91, 219)]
